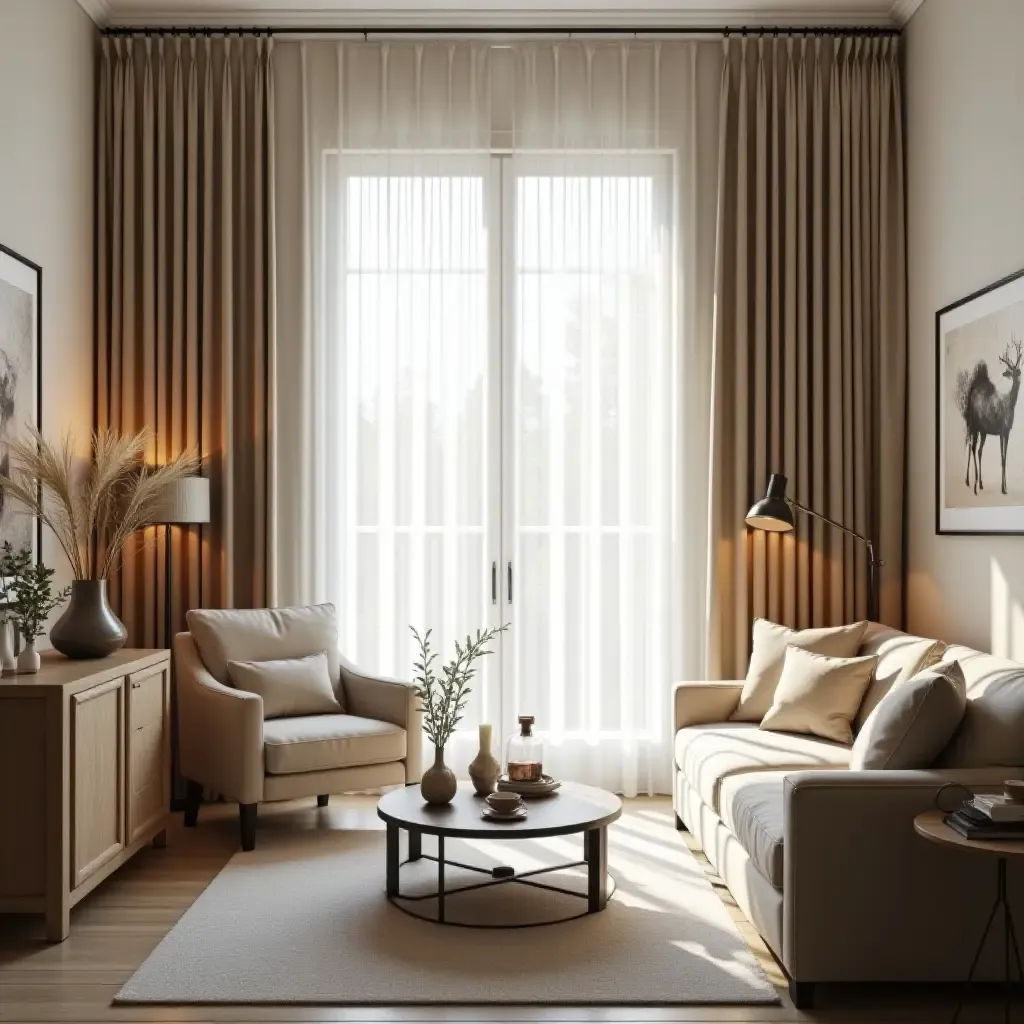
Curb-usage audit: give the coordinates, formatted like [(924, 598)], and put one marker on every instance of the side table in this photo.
[(931, 825)]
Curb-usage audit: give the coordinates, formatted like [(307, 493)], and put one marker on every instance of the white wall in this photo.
[(48, 65), (965, 188)]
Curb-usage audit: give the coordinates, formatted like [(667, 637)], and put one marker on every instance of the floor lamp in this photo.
[(774, 513), (186, 503)]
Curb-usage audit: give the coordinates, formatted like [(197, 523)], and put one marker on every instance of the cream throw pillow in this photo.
[(819, 695), (769, 652), (914, 721), (289, 686)]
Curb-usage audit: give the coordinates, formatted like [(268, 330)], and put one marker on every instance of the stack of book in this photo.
[(989, 816)]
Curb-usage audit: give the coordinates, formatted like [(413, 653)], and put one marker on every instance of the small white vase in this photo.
[(8, 664), (29, 660)]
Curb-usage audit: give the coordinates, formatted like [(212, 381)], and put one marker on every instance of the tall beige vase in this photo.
[(484, 769)]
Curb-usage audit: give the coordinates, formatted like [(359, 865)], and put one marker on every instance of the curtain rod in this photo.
[(391, 30)]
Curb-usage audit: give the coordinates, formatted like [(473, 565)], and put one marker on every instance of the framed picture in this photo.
[(979, 439), (21, 314)]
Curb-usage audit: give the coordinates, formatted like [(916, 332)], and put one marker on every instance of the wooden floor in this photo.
[(116, 927)]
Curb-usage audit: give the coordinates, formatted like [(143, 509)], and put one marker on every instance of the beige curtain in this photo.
[(185, 338), (810, 332)]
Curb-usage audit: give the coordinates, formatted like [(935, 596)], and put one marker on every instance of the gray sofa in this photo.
[(824, 861)]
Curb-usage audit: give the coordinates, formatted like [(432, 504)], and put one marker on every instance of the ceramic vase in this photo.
[(8, 663), (29, 660), (438, 784), (88, 628), (484, 769)]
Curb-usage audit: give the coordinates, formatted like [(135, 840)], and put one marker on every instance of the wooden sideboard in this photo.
[(85, 776)]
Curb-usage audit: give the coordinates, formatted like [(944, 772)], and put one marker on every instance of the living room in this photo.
[(497, 520)]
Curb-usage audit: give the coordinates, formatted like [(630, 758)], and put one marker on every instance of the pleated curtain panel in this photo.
[(185, 333), (810, 356)]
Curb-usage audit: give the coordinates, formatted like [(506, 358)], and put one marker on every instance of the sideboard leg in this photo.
[(58, 921), (247, 823)]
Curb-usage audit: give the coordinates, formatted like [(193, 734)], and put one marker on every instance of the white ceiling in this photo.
[(512, 13)]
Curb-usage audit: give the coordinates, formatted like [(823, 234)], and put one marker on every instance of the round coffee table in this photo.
[(573, 808)]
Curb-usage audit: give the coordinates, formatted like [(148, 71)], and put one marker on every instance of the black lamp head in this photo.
[(772, 512)]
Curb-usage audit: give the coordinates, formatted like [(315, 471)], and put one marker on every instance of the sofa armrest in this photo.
[(387, 700), (863, 892), (220, 729), (701, 703)]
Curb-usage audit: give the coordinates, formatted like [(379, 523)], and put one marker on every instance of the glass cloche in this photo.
[(524, 753)]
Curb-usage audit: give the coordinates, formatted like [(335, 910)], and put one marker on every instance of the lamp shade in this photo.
[(185, 501), (772, 512)]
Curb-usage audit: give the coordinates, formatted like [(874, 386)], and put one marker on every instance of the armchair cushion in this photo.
[(317, 743), (265, 634), (288, 686)]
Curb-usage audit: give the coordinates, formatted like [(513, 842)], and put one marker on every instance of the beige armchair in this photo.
[(226, 745)]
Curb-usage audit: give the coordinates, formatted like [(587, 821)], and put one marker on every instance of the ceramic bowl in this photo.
[(1014, 789), (504, 803)]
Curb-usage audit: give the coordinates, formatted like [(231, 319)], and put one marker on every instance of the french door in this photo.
[(507, 371)]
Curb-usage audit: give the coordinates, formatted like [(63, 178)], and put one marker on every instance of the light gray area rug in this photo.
[(303, 920)]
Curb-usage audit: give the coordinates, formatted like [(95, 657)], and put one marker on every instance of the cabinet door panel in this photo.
[(148, 749), (97, 772)]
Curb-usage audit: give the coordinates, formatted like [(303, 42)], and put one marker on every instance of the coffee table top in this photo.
[(573, 808)]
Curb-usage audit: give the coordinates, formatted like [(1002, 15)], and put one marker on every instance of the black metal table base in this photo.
[(600, 885), (1009, 941)]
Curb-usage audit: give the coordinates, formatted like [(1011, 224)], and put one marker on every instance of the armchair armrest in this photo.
[(387, 700), (701, 703), (852, 858), (220, 729)]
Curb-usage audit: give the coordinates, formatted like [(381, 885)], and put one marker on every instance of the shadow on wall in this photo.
[(1006, 637)]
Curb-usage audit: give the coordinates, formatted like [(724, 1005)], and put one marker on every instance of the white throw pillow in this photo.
[(769, 653), (913, 722), (288, 686), (264, 634), (819, 695)]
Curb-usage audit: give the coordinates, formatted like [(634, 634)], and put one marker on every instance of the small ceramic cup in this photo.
[(1014, 789), (504, 803)]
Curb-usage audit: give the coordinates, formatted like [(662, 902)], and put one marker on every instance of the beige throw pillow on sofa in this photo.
[(769, 653), (288, 686), (819, 695), (913, 722)]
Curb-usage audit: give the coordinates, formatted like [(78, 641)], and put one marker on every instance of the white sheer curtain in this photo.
[(494, 375)]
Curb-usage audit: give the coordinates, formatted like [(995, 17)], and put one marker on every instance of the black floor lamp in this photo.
[(187, 503), (774, 513)]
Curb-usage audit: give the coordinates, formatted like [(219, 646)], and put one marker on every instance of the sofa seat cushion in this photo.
[(708, 754), (752, 809), (316, 743)]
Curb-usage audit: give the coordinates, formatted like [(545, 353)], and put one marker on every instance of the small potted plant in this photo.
[(12, 564), (443, 699), (34, 599)]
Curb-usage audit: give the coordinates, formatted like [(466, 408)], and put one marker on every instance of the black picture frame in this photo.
[(35, 271), (973, 522)]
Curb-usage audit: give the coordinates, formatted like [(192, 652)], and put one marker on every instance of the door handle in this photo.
[(509, 582), (494, 582)]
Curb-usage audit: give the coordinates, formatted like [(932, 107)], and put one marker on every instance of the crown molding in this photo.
[(903, 10), (98, 10)]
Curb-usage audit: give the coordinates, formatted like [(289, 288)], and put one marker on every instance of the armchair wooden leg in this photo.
[(322, 799), (193, 797), (247, 822)]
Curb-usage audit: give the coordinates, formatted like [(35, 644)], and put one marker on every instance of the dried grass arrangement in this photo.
[(92, 513)]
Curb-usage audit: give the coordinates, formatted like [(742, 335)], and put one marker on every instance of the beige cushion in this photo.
[(322, 742), (265, 634), (913, 722), (900, 657), (769, 653), (819, 695), (288, 686), (709, 754), (992, 730), (752, 809)]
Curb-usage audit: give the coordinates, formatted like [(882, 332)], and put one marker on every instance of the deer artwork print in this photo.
[(987, 410)]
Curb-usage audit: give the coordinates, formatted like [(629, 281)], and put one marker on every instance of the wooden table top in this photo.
[(572, 808), (931, 826)]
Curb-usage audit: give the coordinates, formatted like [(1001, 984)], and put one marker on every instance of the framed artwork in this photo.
[(21, 313), (979, 443)]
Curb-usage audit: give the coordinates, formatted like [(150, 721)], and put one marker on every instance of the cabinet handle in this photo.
[(509, 582), (135, 686)]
